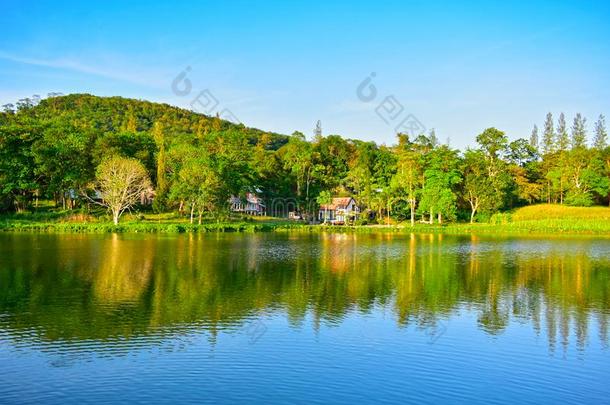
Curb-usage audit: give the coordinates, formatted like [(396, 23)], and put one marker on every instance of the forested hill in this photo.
[(117, 114)]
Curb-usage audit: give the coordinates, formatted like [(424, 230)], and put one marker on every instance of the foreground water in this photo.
[(311, 318)]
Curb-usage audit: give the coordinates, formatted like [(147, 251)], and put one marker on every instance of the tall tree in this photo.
[(522, 160), (360, 177), (441, 177), (334, 154), (230, 157), (433, 138), (131, 123), (18, 180), (407, 181), (62, 163), (548, 137), (563, 139), (605, 159), (579, 132), (199, 184), (384, 170), (478, 189), (494, 143), (301, 161), (317, 132), (601, 136), (534, 138), (162, 187), (585, 177)]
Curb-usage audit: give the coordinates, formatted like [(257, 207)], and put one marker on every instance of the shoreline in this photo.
[(535, 227)]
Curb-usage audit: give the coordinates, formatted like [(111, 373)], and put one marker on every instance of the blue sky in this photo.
[(281, 66)]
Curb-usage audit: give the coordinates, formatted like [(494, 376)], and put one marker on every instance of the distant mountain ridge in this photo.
[(118, 114)]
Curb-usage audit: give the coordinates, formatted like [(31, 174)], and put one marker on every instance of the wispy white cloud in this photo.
[(77, 66)]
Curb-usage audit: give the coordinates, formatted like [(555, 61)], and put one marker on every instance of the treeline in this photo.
[(55, 149)]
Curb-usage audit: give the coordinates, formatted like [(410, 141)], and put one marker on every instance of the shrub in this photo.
[(579, 199), (79, 218), (483, 217), (361, 222), (500, 218)]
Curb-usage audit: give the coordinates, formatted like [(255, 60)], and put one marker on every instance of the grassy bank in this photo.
[(153, 223), (539, 219)]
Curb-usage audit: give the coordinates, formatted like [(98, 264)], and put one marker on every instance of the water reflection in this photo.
[(127, 291)]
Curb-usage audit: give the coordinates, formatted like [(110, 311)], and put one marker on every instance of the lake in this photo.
[(296, 317)]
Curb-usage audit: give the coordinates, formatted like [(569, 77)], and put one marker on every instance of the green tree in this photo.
[(586, 175), (522, 160), (137, 145), (199, 185), (478, 189), (494, 143), (334, 154), (407, 181), (162, 186), (324, 199), (520, 152), (62, 161), (604, 157), (18, 179), (441, 177), (360, 178), (301, 160)]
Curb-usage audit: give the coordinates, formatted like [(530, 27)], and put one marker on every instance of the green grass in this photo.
[(537, 219), (99, 222)]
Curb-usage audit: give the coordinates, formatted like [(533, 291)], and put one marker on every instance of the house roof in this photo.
[(254, 199), (337, 203), (250, 198)]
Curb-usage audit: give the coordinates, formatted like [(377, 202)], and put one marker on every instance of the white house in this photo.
[(253, 205), (339, 211)]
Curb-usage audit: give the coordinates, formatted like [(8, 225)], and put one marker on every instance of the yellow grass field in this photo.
[(555, 211)]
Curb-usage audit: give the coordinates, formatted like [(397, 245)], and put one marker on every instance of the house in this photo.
[(294, 216), (339, 211), (252, 205)]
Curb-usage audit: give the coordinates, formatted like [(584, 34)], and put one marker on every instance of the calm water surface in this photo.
[(274, 318)]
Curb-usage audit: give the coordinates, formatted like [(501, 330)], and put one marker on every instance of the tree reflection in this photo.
[(84, 287)]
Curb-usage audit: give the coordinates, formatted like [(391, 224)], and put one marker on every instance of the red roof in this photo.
[(340, 203)]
